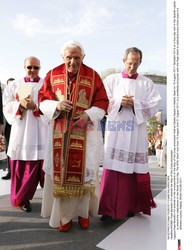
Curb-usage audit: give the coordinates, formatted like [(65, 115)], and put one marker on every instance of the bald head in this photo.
[(32, 66), (32, 58)]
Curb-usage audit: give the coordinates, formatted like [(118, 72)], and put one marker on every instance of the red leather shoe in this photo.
[(18, 203), (83, 222), (66, 227)]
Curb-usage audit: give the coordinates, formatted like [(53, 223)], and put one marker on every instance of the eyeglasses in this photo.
[(34, 67)]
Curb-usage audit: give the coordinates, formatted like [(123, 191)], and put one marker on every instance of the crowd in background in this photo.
[(158, 145)]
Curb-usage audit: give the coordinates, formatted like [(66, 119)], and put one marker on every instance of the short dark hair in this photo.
[(10, 79), (133, 49)]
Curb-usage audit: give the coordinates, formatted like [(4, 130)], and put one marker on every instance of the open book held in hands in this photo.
[(24, 90)]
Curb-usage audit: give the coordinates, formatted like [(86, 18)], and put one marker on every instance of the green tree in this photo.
[(152, 126)]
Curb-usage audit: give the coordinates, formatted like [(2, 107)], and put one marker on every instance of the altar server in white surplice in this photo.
[(26, 148), (133, 100)]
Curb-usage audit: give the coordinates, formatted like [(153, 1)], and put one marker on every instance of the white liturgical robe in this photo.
[(62, 210), (28, 132), (126, 139)]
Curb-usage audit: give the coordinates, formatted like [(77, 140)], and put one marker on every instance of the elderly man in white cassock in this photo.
[(74, 99)]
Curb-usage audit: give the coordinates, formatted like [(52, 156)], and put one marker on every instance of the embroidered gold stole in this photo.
[(69, 142)]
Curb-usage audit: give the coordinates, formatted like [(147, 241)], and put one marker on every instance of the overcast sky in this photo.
[(104, 27)]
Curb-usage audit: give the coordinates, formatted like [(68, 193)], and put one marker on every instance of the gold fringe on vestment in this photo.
[(72, 191)]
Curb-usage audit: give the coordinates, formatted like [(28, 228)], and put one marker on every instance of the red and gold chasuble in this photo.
[(69, 142)]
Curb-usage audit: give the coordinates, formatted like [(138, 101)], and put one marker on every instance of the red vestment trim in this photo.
[(69, 142)]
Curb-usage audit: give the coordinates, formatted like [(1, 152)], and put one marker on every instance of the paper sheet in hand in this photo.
[(24, 90)]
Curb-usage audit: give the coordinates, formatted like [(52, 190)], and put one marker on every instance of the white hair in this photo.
[(72, 44)]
